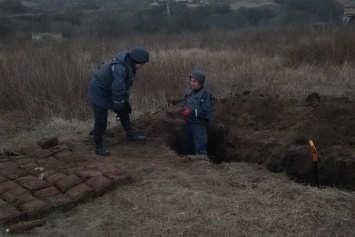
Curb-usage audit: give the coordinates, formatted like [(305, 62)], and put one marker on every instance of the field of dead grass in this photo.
[(288, 62), (171, 197), (174, 197)]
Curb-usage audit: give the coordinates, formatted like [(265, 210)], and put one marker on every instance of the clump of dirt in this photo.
[(274, 132)]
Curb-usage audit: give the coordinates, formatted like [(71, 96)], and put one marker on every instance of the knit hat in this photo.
[(199, 75), (139, 55)]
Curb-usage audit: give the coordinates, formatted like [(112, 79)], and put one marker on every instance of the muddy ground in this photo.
[(236, 195), (275, 133)]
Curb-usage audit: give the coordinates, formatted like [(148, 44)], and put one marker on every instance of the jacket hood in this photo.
[(124, 58), (121, 56)]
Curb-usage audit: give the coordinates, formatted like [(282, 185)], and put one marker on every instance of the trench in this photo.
[(216, 145), (292, 159), (274, 132)]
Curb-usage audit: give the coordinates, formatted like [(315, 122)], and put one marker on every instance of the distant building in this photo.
[(349, 13)]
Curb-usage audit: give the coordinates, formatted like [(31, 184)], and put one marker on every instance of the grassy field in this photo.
[(43, 89), (173, 197), (289, 62)]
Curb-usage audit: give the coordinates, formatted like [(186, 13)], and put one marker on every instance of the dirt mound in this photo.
[(275, 132)]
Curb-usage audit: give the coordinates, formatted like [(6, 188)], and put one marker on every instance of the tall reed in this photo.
[(50, 78)]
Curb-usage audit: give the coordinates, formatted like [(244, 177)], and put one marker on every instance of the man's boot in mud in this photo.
[(131, 137), (101, 150)]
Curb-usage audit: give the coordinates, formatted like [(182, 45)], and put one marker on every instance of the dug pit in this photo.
[(275, 132), (216, 146), (270, 131)]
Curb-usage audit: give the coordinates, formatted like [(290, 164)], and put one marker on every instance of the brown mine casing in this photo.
[(22, 226), (174, 111)]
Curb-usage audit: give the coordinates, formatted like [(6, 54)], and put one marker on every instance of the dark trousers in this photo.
[(197, 138), (100, 124)]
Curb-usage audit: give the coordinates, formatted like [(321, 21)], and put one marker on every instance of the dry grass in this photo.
[(202, 199), (71, 131), (65, 129), (289, 62), (236, 72), (49, 80)]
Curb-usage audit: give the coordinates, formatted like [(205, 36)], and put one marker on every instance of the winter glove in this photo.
[(119, 107), (186, 112)]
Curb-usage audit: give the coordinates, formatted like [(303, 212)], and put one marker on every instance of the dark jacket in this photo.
[(106, 87), (200, 104)]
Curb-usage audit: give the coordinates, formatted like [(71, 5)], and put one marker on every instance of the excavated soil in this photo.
[(275, 132), (173, 196)]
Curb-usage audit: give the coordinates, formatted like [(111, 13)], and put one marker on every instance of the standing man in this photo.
[(109, 90), (197, 113)]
